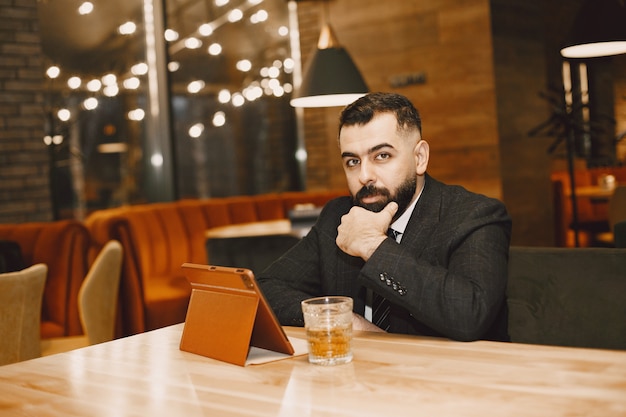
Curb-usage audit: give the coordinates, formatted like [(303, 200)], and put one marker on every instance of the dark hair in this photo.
[(365, 108)]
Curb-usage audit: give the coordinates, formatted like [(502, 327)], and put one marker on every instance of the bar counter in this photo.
[(391, 375)]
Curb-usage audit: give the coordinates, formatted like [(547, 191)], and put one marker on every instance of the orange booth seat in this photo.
[(63, 246), (159, 237)]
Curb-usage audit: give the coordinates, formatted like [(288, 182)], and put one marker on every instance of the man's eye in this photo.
[(382, 156), (352, 162)]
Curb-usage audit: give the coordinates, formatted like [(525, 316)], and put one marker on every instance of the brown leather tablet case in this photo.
[(227, 314)]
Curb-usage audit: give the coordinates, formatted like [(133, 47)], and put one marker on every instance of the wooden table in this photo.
[(257, 229), (391, 375), (251, 245), (593, 192), (264, 228)]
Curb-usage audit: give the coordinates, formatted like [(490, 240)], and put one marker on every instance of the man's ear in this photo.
[(421, 151)]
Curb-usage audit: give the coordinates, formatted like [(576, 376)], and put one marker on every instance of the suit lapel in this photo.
[(425, 217)]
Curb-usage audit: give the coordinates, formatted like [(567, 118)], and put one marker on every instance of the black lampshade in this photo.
[(330, 77), (599, 30)]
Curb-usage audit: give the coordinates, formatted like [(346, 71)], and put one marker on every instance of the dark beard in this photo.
[(404, 195)]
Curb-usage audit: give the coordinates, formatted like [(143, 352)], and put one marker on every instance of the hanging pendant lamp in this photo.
[(330, 77), (599, 30)]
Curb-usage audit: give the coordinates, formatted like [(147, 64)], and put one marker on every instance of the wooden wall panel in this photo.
[(520, 67), (450, 42)]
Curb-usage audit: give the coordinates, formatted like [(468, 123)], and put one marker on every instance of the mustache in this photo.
[(370, 190)]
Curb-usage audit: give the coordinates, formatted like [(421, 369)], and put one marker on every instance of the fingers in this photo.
[(391, 209)]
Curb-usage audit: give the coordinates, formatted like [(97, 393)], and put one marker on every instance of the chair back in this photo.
[(11, 259), (567, 296), (21, 294), (619, 234), (98, 295), (617, 206)]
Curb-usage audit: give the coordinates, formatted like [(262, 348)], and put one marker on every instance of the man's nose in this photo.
[(366, 175)]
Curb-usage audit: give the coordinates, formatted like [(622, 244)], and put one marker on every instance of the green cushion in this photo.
[(568, 296)]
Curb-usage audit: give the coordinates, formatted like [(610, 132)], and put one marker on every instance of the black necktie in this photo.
[(393, 234), (380, 311), (380, 305)]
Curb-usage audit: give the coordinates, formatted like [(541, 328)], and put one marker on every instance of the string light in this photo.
[(53, 72), (205, 29), (259, 16), (94, 85), (219, 119), (74, 82), (196, 130), (111, 90), (127, 28), (235, 15), (223, 96), (289, 64), (139, 69), (109, 79), (136, 115), (156, 160), (195, 86), (273, 72), (131, 83), (193, 43), (215, 49), (171, 35), (238, 100), (90, 103), (85, 8), (244, 65), (64, 115)]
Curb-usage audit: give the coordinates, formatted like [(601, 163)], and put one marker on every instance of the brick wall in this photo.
[(24, 190), (318, 172)]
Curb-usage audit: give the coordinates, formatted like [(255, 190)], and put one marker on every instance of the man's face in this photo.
[(380, 164)]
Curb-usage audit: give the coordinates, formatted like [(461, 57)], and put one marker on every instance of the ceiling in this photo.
[(73, 41), (90, 44)]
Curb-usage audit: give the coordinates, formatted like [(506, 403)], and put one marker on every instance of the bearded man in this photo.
[(416, 255)]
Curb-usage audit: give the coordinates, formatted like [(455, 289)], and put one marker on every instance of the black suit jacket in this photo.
[(447, 277)]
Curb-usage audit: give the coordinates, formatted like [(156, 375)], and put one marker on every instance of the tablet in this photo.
[(229, 302)]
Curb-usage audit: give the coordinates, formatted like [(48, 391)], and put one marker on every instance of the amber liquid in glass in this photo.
[(330, 346)]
